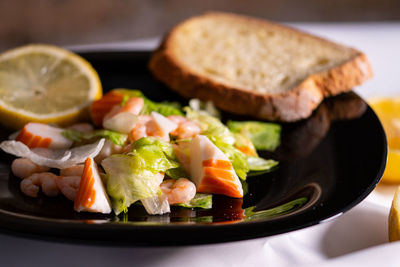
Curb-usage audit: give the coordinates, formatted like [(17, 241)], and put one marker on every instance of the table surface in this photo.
[(359, 236)]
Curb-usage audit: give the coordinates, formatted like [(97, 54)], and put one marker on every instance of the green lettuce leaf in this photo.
[(164, 108), (157, 155), (203, 201), (211, 126), (259, 165), (128, 181), (132, 177), (264, 135), (84, 137), (177, 173), (201, 106)]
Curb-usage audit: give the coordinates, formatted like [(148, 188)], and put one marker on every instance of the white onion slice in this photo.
[(157, 204), (53, 158), (123, 122)]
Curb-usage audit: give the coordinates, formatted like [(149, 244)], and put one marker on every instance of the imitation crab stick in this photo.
[(42, 135), (211, 170), (91, 195), (101, 107)]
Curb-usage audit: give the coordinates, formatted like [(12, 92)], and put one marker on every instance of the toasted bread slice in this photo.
[(254, 67)]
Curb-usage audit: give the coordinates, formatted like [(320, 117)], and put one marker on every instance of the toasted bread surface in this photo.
[(255, 67)]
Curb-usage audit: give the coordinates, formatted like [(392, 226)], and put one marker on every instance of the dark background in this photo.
[(68, 22)]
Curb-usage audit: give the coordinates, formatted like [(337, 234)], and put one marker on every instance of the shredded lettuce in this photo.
[(264, 135), (210, 126), (83, 137), (164, 108), (259, 165), (207, 107), (203, 201), (133, 176), (176, 173), (157, 155), (128, 181)]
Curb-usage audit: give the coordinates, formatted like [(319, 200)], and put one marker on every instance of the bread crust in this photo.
[(292, 105)]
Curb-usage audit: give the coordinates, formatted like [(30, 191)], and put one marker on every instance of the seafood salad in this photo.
[(139, 151)]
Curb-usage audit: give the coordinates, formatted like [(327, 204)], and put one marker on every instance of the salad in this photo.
[(137, 151)]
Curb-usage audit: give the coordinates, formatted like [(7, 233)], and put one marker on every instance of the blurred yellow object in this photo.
[(394, 217), (388, 111), (45, 83)]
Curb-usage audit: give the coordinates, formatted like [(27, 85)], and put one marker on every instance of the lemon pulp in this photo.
[(388, 111), (46, 84)]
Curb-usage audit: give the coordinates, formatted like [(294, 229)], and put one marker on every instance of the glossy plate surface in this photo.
[(334, 159)]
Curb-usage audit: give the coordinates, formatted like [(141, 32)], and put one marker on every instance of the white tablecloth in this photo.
[(357, 238)]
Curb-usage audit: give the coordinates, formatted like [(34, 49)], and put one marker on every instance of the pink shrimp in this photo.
[(186, 128), (146, 126), (23, 168), (76, 170), (46, 180), (178, 191), (69, 185), (140, 129), (123, 118), (134, 105)]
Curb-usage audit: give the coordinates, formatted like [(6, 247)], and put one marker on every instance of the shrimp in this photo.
[(178, 191), (155, 125), (134, 105), (81, 127), (123, 118), (46, 180), (76, 170), (69, 185), (140, 129), (23, 168), (186, 128), (108, 149)]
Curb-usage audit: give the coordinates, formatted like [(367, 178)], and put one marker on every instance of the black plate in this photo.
[(334, 159)]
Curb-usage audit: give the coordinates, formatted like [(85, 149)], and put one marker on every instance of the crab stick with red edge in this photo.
[(101, 107), (91, 195), (211, 170), (42, 135)]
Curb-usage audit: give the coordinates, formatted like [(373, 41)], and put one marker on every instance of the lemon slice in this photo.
[(44, 83), (394, 218), (388, 111)]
